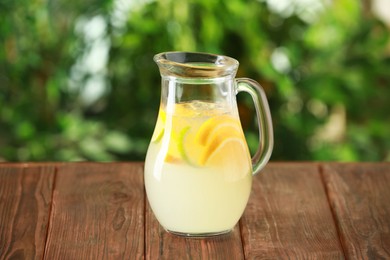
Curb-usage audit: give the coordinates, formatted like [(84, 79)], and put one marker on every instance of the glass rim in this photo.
[(195, 63)]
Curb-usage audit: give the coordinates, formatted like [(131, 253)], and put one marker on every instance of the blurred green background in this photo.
[(77, 79)]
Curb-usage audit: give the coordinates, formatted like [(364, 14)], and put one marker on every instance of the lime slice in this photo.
[(182, 144), (159, 129)]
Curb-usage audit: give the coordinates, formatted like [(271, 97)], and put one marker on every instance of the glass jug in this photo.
[(198, 169)]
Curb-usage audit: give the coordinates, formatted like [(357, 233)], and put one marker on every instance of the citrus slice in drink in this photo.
[(232, 148), (159, 129), (196, 143), (174, 148), (189, 151), (213, 124), (181, 136), (222, 139)]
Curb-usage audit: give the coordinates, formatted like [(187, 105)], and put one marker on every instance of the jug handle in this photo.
[(264, 120)]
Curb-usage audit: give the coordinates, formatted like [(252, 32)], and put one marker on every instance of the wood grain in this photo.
[(163, 245), (288, 215), (98, 212), (360, 197), (25, 199)]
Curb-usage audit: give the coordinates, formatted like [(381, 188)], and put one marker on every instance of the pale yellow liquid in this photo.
[(189, 198)]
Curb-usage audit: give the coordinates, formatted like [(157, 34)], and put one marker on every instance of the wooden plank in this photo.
[(163, 245), (360, 199), (98, 212), (25, 199), (288, 215)]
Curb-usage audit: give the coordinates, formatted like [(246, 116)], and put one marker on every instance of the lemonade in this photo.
[(198, 170)]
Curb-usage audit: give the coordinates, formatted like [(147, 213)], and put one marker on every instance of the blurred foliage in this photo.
[(77, 79)]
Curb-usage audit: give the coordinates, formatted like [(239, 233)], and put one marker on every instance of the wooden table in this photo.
[(99, 211)]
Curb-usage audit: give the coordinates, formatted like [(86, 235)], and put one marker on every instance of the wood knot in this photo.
[(119, 219)]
